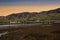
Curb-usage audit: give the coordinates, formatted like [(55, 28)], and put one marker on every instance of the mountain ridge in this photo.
[(31, 14)]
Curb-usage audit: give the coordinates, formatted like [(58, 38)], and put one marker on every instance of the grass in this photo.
[(37, 32)]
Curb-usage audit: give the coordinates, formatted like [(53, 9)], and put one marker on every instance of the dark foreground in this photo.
[(37, 32)]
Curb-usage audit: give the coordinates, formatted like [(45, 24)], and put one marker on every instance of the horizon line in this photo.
[(30, 12)]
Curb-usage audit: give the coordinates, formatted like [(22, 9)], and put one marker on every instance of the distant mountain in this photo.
[(32, 14), (23, 15), (54, 11)]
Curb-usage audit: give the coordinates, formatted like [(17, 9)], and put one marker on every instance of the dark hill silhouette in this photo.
[(32, 14), (54, 11)]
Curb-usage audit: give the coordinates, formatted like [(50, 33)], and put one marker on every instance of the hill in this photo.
[(33, 14), (25, 17), (36, 32)]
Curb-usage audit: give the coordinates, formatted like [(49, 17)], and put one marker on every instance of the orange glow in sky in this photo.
[(6, 10)]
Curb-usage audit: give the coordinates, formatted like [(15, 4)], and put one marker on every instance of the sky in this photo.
[(15, 6)]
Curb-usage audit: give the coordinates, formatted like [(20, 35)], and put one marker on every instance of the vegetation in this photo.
[(4, 22), (36, 32), (31, 17)]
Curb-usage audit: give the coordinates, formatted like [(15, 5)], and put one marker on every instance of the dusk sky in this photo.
[(14, 6)]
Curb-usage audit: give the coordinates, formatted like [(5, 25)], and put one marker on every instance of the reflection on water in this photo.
[(16, 25), (3, 33), (13, 25)]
